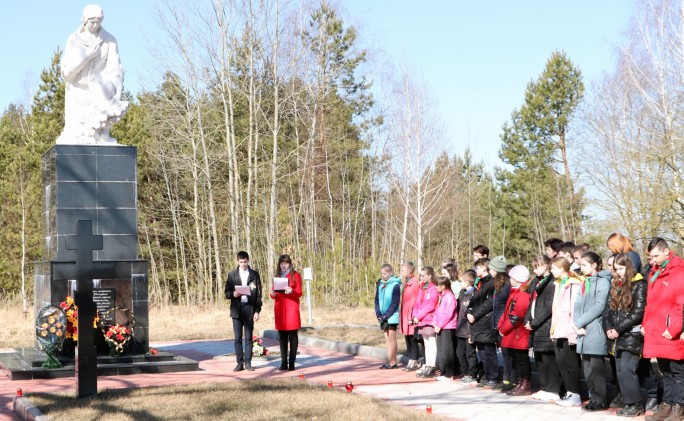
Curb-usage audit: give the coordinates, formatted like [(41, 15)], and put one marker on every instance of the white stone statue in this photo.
[(94, 80)]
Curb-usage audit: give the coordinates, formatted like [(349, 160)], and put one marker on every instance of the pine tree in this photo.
[(47, 111), (532, 205)]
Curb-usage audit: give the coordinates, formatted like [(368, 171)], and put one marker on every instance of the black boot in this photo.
[(282, 340), (633, 410), (294, 344)]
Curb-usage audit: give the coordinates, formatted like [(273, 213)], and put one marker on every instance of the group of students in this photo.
[(574, 312)]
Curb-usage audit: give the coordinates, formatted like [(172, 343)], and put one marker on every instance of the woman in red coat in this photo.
[(287, 321)]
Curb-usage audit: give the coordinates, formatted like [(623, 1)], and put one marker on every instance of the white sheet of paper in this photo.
[(279, 284), (246, 290)]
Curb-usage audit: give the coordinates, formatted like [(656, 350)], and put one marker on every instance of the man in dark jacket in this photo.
[(243, 289)]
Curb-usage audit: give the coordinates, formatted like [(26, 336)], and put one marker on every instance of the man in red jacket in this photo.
[(662, 326)]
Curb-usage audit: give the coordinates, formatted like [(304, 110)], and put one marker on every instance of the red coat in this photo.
[(286, 307), (664, 305), (515, 337), (408, 298)]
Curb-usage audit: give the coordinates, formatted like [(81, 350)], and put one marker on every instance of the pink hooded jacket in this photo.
[(426, 303), (446, 314)]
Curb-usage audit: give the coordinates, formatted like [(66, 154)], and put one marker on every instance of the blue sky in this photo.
[(476, 57)]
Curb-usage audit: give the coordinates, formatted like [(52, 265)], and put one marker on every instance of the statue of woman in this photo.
[(94, 80)]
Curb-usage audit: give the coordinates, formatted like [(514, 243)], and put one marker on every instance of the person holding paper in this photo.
[(286, 309), (243, 289)]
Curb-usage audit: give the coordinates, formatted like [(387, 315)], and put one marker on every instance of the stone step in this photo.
[(25, 364)]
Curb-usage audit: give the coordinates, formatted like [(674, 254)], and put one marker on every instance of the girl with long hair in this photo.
[(286, 309), (591, 339), (622, 323)]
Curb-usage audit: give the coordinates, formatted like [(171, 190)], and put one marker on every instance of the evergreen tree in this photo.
[(47, 111), (535, 201)]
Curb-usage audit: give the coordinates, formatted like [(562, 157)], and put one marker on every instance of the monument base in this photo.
[(25, 364), (124, 281)]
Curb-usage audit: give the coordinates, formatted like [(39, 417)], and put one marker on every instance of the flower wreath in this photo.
[(117, 336), (258, 349), (50, 332)]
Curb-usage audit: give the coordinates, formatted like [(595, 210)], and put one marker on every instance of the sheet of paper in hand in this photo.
[(246, 290), (279, 284)]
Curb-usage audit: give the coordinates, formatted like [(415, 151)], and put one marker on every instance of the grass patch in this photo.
[(355, 335), (249, 399)]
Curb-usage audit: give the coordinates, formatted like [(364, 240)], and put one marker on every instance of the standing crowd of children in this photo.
[(581, 318)]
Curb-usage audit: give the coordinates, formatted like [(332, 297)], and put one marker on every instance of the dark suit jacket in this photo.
[(254, 299)]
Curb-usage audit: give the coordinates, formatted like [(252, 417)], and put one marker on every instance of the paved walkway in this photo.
[(451, 399)]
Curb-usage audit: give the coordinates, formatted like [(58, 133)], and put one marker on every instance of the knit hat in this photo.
[(520, 273), (498, 264)]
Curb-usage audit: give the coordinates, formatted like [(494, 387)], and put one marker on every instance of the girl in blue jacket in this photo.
[(387, 300)]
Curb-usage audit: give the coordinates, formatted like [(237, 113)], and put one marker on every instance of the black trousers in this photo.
[(487, 353), (521, 359), (446, 354), (549, 375), (595, 376), (673, 380), (244, 321), (467, 356), (412, 348), (509, 368), (568, 364), (649, 380), (288, 337), (626, 366)]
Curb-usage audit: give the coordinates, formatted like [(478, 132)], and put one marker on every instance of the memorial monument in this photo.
[(89, 224), (90, 200)]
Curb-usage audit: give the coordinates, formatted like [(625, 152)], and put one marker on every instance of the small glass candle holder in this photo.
[(349, 387)]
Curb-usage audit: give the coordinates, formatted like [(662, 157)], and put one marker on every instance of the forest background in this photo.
[(265, 135)]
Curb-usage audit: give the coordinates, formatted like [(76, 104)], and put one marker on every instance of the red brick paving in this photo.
[(327, 365)]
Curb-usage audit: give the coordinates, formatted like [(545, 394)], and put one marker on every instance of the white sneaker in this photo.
[(570, 399), (540, 396), (543, 395), (443, 378)]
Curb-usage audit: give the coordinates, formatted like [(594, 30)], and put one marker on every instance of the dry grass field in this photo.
[(253, 400), (207, 322)]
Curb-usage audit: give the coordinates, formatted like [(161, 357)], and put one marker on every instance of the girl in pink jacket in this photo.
[(445, 327), (423, 318)]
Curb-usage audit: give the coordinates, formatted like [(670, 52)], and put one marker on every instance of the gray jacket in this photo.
[(588, 311)]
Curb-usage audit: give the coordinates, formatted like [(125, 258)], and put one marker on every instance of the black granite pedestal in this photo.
[(96, 183)]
